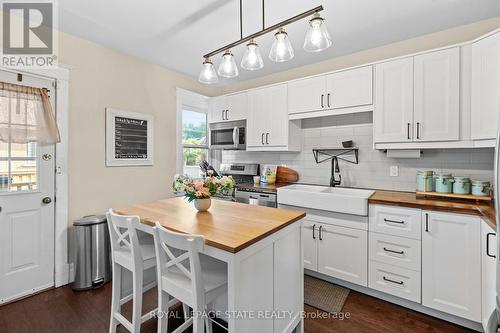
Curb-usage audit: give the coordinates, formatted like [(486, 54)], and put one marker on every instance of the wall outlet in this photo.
[(394, 171)]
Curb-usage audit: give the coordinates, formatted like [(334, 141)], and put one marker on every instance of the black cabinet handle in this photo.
[(409, 125), (392, 281), (320, 234), (322, 97), (488, 244), (418, 130), (267, 138), (227, 115), (328, 99), (393, 221), (392, 251), (222, 114), (262, 138), (426, 222), (314, 231)]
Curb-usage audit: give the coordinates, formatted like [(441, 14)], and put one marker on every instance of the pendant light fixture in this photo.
[(252, 59), (227, 67), (208, 74), (317, 39), (282, 48), (317, 36)]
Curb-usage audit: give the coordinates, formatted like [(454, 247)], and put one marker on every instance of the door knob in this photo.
[(47, 157), (46, 200)]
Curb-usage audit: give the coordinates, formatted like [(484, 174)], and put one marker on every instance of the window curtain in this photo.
[(26, 115)]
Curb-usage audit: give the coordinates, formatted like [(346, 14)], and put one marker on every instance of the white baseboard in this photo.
[(399, 301), (65, 275)]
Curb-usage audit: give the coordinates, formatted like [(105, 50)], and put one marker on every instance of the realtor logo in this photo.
[(28, 34)]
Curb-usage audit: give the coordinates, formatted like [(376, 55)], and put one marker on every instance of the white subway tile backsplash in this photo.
[(373, 168)]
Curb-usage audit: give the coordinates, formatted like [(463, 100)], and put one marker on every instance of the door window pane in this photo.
[(4, 176), (23, 175), (194, 127), (18, 167)]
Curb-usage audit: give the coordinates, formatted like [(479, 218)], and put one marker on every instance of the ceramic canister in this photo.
[(481, 188), (461, 185), (425, 181), (443, 183)]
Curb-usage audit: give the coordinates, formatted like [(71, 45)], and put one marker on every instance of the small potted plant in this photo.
[(200, 191)]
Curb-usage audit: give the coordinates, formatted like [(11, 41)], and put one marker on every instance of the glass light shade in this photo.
[(317, 36), (208, 74), (227, 67), (282, 49), (252, 59)]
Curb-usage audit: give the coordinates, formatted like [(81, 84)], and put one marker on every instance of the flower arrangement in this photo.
[(202, 188)]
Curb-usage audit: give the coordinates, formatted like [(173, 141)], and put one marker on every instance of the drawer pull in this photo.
[(393, 221), (392, 281), (392, 251)]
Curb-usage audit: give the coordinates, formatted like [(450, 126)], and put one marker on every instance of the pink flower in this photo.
[(198, 184)]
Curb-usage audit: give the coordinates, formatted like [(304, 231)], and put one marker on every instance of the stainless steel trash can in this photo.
[(93, 261)]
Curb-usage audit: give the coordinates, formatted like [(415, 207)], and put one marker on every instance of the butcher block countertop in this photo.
[(229, 226), (408, 199)]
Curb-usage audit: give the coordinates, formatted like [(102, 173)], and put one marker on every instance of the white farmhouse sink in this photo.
[(334, 199)]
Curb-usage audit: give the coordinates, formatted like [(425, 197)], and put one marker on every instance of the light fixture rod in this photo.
[(265, 31), (263, 15), (241, 21)]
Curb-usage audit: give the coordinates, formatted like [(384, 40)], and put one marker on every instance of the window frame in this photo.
[(191, 101)]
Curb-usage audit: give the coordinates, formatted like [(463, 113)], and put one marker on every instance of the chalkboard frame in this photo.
[(111, 160)]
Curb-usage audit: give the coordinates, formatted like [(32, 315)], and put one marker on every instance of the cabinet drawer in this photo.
[(397, 251), (396, 221), (396, 281)]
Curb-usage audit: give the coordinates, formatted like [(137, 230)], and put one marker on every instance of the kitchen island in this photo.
[(262, 247)]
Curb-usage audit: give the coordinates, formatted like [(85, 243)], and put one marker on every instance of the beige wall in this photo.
[(100, 78), (422, 43)]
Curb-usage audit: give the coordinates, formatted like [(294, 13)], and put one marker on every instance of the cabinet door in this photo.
[(451, 267), (488, 276), (237, 105), (343, 253), (217, 106), (437, 96), (276, 115), (393, 113), (349, 88), (307, 95), (485, 87), (256, 122), (310, 243)]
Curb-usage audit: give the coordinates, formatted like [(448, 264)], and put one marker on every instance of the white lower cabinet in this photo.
[(309, 241), (488, 277), (397, 281), (451, 265), (342, 253), (397, 251)]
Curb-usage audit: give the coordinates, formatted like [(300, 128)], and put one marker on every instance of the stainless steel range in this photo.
[(246, 191)]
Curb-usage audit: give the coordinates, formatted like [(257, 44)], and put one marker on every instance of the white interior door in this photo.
[(27, 211)]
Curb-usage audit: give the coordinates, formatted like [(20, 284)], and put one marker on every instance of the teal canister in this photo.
[(425, 181), (481, 188), (443, 183), (461, 185)]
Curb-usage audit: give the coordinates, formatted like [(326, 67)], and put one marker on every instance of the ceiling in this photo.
[(175, 34)]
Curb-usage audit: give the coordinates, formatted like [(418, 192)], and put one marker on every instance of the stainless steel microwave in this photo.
[(229, 135)]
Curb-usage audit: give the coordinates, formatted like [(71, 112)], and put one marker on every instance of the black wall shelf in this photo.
[(327, 153)]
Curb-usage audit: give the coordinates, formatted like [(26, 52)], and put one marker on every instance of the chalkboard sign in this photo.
[(128, 138)]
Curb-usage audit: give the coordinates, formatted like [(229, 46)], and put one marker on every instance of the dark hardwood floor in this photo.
[(62, 310)]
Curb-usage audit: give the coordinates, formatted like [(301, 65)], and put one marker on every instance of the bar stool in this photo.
[(193, 278), (135, 254)]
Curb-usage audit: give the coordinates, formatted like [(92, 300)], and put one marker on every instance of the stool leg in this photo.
[(115, 297), (208, 324), (163, 299), (137, 300)]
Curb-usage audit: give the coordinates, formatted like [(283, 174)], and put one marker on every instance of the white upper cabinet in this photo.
[(393, 114), (327, 94), (228, 107), (485, 99), (268, 127), (307, 95), (437, 95), (451, 265), (349, 88)]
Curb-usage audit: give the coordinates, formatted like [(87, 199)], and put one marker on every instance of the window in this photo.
[(194, 141), (18, 167)]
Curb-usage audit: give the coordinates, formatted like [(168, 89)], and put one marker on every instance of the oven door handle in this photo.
[(236, 136)]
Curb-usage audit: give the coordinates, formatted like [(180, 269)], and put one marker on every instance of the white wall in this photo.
[(373, 168)]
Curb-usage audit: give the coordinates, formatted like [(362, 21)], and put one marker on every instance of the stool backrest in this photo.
[(181, 251), (123, 234)]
